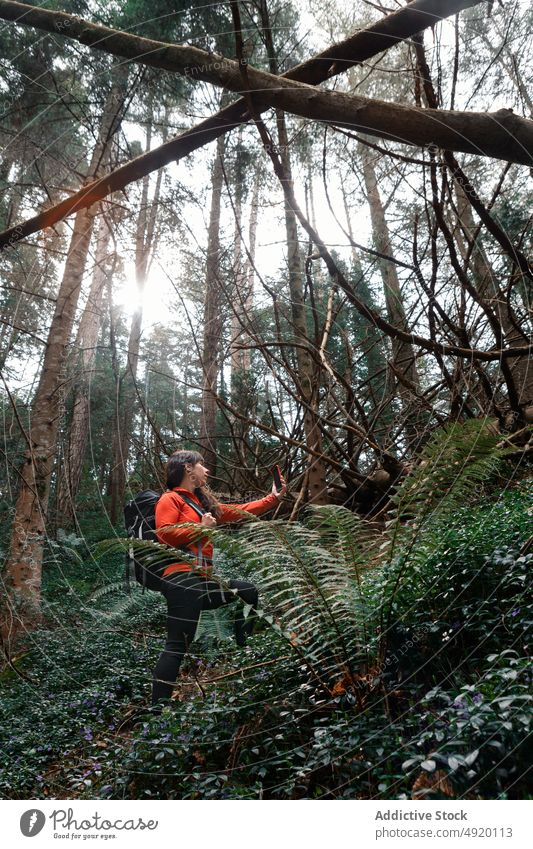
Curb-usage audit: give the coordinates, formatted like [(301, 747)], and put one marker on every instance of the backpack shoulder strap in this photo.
[(196, 507)]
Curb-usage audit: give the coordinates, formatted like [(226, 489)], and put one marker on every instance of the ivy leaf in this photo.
[(471, 757)]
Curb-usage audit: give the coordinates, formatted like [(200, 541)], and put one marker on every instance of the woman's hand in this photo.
[(209, 521), (279, 493)]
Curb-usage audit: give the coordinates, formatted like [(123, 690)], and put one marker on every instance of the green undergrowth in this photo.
[(438, 704)]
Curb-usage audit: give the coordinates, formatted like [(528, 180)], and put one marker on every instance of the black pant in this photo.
[(187, 595)]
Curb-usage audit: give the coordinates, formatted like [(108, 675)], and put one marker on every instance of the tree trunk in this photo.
[(87, 338), (24, 566), (244, 279), (252, 232), (23, 569), (403, 355), (309, 382), (240, 360), (145, 247), (371, 345), (213, 321), (488, 287), (243, 390)]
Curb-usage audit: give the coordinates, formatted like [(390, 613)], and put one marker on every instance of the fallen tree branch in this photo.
[(357, 48), (500, 134), (337, 58)]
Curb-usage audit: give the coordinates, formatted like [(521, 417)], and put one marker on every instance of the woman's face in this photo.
[(199, 474)]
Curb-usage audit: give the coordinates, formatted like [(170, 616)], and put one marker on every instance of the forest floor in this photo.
[(446, 713)]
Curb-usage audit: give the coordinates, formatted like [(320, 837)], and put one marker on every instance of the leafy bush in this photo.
[(480, 737)]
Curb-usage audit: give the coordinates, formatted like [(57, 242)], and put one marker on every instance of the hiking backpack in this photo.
[(139, 518)]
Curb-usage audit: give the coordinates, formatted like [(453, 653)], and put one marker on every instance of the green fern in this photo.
[(215, 625), (310, 591), (455, 464), (328, 581)]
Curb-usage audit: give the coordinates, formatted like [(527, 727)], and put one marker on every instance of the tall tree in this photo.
[(214, 303), (23, 568), (146, 241), (85, 352), (403, 356), (309, 383)]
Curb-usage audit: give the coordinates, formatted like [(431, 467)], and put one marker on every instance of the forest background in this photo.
[(332, 273)]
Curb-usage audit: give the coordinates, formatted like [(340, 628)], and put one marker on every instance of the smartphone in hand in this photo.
[(276, 474)]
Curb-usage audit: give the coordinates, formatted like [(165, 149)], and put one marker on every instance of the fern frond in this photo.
[(215, 625), (307, 587), (150, 552), (115, 587), (455, 464)]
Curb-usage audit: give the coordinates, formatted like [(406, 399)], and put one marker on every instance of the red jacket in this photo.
[(173, 510)]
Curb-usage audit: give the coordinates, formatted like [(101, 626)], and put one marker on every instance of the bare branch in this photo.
[(359, 47)]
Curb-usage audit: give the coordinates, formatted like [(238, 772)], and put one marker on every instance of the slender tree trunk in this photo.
[(356, 260), (239, 302), (371, 344), (252, 232), (244, 279), (307, 375), (403, 355), (23, 568), (145, 247), (243, 393), (489, 289), (213, 322), (12, 193), (87, 338)]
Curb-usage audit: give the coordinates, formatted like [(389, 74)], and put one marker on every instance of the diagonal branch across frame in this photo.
[(359, 47)]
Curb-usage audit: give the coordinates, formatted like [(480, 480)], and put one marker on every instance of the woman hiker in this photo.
[(188, 589)]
